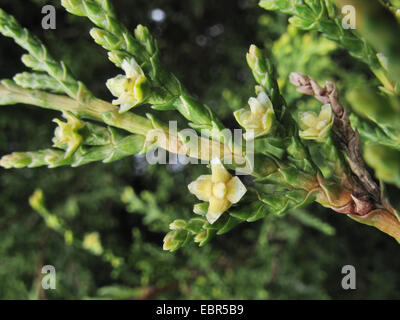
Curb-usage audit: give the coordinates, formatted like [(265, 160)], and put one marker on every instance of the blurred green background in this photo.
[(129, 204)]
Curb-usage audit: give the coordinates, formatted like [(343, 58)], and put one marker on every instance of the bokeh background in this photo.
[(123, 209)]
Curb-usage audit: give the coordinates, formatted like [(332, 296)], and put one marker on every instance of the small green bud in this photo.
[(201, 208), (15, 160), (316, 127), (132, 88), (259, 120), (174, 240), (254, 57), (30, 61), (262, 69), (105, 39), (93, 10), (170, 244), (52, 222), (68, 237), (178, 224), (202, 237), (127, 195), (74, 6), (142, 34), (36, 200), (37, 81), (91, 242), (117, 57), (116, 262), (66, 135)]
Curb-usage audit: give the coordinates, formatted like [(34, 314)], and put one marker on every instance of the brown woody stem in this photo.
[(363, 201)]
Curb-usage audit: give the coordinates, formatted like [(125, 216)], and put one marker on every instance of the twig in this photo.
[(347, 139)]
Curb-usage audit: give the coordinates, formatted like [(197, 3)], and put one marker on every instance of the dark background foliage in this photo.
[(204, 43)]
